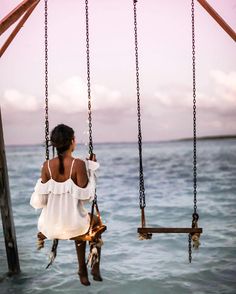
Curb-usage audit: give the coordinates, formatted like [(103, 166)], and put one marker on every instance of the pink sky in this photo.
[(164, 28)]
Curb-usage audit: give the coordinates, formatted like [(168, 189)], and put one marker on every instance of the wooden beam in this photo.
[(17, 28), (218, 19), (15, 14), (170, 230), (6, 211)]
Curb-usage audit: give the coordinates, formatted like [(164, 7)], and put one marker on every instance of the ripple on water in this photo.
[(131, 266)]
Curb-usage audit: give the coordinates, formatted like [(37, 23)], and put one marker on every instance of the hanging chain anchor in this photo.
[(142, 201), (195, 217)]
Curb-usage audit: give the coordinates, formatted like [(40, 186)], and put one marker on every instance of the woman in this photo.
[(65, 185)]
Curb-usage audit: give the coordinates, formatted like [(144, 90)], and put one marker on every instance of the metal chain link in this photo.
[(195, 214), (190, 248), (194, 112), (88, 80), (89, 92), (46, 79), (142, 201)]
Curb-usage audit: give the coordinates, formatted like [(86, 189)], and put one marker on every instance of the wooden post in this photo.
[(6, 211), (218, 19)]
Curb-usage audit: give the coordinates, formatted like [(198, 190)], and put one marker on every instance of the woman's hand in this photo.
[(92, 157)]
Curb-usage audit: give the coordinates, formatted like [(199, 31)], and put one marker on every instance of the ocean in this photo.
[(129, 265)]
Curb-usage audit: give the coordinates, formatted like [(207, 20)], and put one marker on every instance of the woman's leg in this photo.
[(83, 273), (96, 267)]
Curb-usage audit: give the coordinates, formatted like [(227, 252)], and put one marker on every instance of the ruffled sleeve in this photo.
[(39, 197), (92, 166), (87, 194)]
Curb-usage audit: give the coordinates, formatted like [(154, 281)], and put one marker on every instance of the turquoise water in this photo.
[(129, 265)]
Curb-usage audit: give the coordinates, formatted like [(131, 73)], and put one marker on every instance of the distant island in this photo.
[(220, 137)]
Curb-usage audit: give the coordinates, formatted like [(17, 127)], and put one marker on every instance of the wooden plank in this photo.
[(218, 19), (15, 14), (17, 28), (6, 211), (170, 230)]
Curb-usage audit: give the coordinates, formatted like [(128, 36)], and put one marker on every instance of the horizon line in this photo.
[(201, 138)]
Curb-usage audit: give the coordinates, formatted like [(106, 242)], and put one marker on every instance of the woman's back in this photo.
[(73, 168)]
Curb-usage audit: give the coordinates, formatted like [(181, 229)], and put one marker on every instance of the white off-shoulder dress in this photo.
[(63, 213)]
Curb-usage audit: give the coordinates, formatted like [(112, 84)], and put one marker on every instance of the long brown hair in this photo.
[(61, 138)]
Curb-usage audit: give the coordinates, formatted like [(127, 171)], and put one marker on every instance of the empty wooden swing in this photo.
[(146, 232)]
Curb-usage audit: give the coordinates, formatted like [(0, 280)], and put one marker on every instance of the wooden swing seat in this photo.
[(91, 236), (169, 230)]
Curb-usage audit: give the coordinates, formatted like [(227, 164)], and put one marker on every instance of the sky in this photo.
[(165, 61)]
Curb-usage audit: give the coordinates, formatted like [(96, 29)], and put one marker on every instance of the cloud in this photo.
[(225, 91), (174, 98), (167, 114), (222, 99), (68, 97), (71, 97), (225, 80), (14, 100), (220, 96)]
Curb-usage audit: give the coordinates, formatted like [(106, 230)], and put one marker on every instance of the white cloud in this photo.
[(13, 99), (172, 98), (71, 96), (226, 80), (220, 96), (105, 98), (68, 97), (225, 89), (215, 106)]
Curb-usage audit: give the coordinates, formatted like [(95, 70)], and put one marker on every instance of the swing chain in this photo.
[(89, 91), (195, 215), (190, 248), (142, 202), (88, 80), (46, 79), (194, 113)]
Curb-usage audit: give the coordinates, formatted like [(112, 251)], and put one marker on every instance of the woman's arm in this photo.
[(39, 200), (45, 173), (87, 180), (81, 174)]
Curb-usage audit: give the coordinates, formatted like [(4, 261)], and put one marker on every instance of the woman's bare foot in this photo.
[(84, 278), (96, 274)]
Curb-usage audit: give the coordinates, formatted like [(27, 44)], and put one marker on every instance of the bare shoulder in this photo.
[(52, 162), (45, 165), (49, 163), (44, 172), (80, 164), (81, 173)]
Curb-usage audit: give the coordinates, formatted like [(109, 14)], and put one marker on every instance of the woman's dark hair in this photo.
[(61, 137)]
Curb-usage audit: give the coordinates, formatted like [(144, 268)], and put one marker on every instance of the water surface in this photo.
[(129, 265)]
